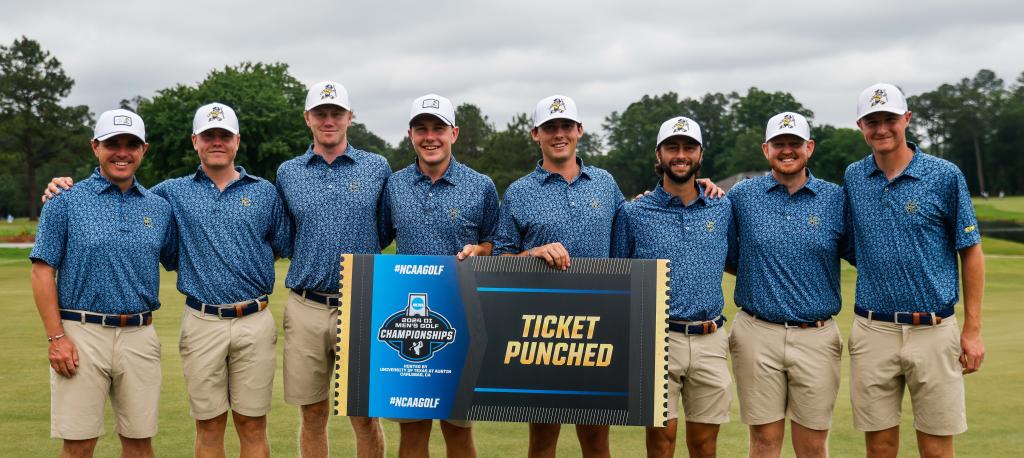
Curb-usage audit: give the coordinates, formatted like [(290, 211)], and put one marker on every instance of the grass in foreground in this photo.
[(993, 395)]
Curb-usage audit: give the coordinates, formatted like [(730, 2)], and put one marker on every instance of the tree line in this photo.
[(974, 123)]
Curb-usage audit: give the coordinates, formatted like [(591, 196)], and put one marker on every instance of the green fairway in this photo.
[(995, 209), (994, 402)]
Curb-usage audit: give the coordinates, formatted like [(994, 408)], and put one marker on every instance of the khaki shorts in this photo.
[(310, 334), (698, 370), (885, 357), (122, 363), (457, 423), (228, 363), (784, 371)]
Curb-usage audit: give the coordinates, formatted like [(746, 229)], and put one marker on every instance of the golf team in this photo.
[(903, 217)]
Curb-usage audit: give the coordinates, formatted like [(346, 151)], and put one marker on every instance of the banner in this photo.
[(502, 339)]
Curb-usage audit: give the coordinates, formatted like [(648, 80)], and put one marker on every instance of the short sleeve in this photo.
[(52, 233), (965, 223), (507, 239)]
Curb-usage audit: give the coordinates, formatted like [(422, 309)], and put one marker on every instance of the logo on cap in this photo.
[(122, 120), (328, 92), (880, 97), (557, 106), (216, 114), (787, 121), (681, 126), (431, 103)]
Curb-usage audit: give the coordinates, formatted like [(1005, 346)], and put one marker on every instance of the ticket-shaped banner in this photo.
[(502, 339)]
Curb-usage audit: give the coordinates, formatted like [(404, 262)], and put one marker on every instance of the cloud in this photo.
[(504, 57)]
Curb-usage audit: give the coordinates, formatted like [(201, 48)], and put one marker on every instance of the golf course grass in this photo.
[(995, 402)]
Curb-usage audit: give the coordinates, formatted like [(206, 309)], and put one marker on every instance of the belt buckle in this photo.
[(122, 321), (220, 312), (896, 317)]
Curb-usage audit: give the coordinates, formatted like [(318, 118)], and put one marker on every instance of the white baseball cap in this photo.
[(680, 126), (119, 121), (881, 97), (555, 107), (327, 93), (787, 122), (436, 105), (215, 116)]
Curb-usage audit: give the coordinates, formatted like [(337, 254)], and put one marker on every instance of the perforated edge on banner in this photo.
[(341, 346), (660, 388)]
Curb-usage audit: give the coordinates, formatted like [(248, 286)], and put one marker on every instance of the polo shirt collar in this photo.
[(452, 175), (542, 175), (310, 157), (813, 185), (915, 169), (103, 184), (242, 175), (665, 199)]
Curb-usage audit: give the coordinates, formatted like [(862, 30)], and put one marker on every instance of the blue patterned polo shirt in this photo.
[(227, 240), (695, 240), (789, 248), (439, 218), (106, 246), (542, 208), (334, 209), (908, 231)]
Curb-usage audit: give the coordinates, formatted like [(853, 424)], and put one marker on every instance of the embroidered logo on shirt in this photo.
[(453, 213), (880, 97), (246, 202), (557, 106), (788, 121), (681, 126), (911, 207), (328, 92), (147, 221), (595, 203), (813, 220), (122, 120), (353, 186), (216, 114), (969, 229), (710, 225)]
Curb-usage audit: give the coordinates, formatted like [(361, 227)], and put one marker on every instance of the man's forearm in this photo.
[(972, 272), (44, 289)]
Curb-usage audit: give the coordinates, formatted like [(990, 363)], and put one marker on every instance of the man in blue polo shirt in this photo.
[(912, 219), (438, 206), (104, 240), (678, 222), (786, 348), (230, 227), (563, 208), (333, 194)]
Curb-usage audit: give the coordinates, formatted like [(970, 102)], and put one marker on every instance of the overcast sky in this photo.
[(504, 58)]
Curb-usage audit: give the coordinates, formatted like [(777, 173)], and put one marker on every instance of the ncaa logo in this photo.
[(416, 332)]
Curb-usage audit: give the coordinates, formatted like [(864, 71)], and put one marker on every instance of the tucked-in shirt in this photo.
[(227, 239), (542, 208), (106, 246), (695, 240), (907, 233), (334, 208), (788, 248), (439, 218)]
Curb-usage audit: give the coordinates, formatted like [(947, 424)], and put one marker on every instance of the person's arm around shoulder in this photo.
[(56, 186)]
